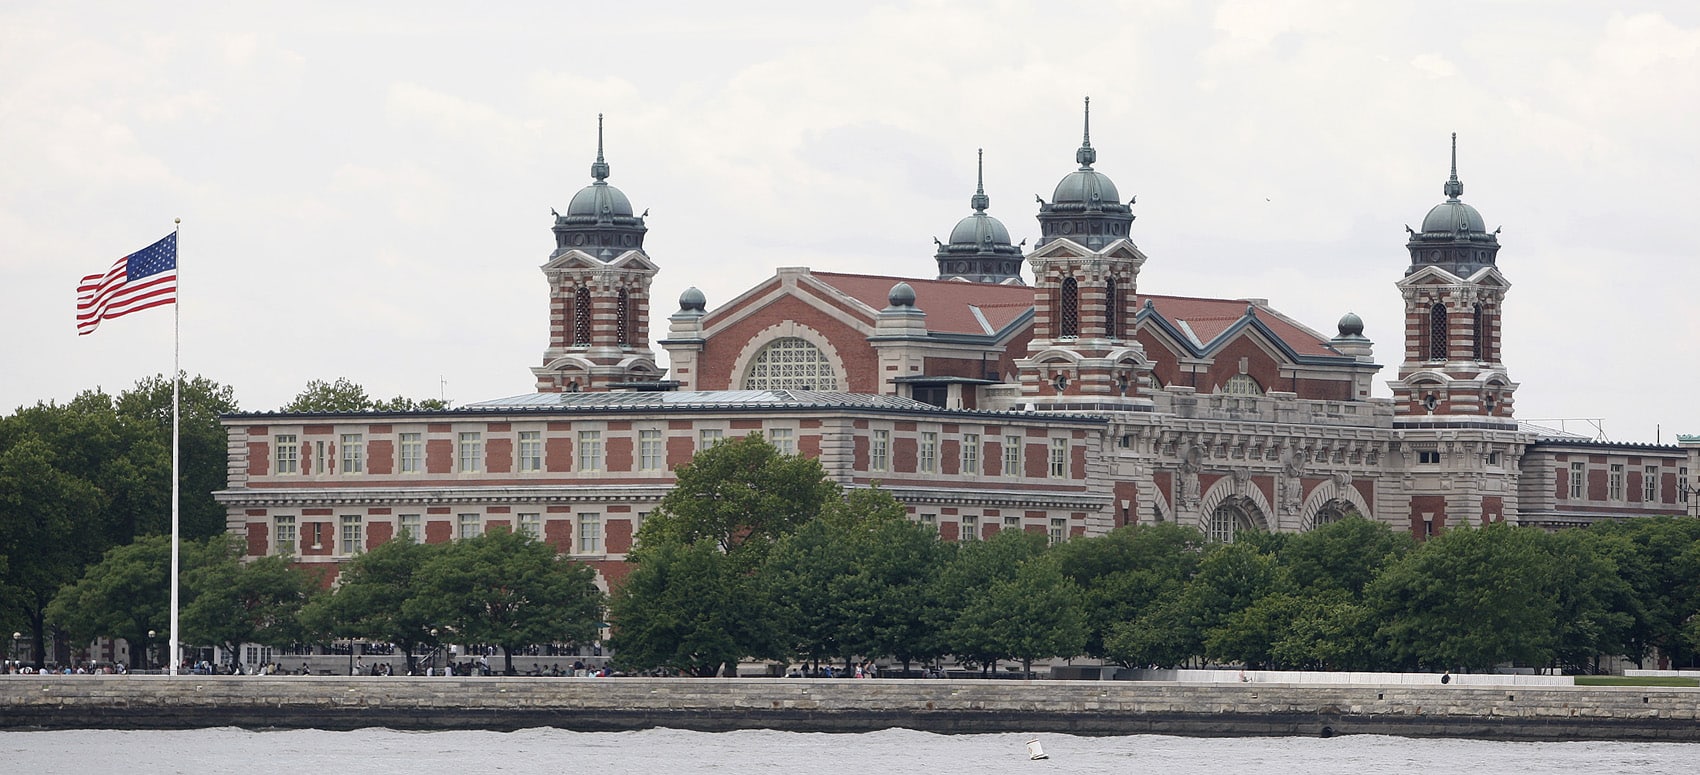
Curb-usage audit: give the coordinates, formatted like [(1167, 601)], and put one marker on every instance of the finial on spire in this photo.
[(1454, 188), (980, 201), (599, 170), (1085, 156)]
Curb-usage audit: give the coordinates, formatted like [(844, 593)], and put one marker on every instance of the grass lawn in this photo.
[(1643, 680)]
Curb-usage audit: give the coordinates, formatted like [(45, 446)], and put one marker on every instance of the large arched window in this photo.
[(1437, 332), (623, 317), (790, 363), (1068, 309), (1242, 385), (1230, 518), (581, 317)]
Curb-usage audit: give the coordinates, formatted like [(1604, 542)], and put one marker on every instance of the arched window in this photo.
[(1242, 385), (1334, 511), (1229, 519), (1112, 303), (790, 363), (623, 317), (581, 317), (1068, 309), (1437, 332)]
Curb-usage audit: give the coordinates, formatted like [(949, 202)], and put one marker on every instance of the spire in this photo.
[(1086, 155), (980, 201), (599, 170), (1454, 188)]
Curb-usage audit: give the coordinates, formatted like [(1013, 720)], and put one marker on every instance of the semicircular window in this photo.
[(1242, 385), (790, 363)]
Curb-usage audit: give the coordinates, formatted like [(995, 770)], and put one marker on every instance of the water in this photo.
[(665, 751)]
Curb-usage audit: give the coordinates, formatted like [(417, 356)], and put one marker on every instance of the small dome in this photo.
[(1086, 186), (1351, 325), (901, 295), (1453, 216), (600, 200), (692, 300), (978, 230)]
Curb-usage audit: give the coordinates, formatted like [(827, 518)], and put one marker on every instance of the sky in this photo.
[(365, 188)]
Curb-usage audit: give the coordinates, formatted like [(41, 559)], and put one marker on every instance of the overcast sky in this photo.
[(365, 187)]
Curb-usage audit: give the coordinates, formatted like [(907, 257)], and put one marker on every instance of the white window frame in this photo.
[(287, 447), (530, 524), (1012, 456), (971, 453), (587, 533), (286, 536), (1059, 530), (469, 526), (1615, 475), (1059, 458), (590, 451), (353, 453), (652, 450), (783, 439), (708, 437), (927, 459), (968, 528), (351, 535), (410, 453), (469, 452), (1578, 480), (879, 450), (1649, 484), (530, 451), (412, 526)]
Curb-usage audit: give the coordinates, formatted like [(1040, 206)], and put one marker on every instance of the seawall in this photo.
[(944, 706)]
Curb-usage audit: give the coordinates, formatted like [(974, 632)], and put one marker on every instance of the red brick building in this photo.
[(1070, 406)]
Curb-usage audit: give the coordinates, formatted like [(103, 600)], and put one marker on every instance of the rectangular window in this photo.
[(970, 453), (353, 453), (1012, 456), (530, 451), (1650, 484), (1012, 523), (1578, 480), (471, 526), (284, 538), (929, 461), (1059, 529), (1682, 485), (412, 453), (288, 453), (783, 439), (1428, 457), (408, 525), (353, 533), (590, 450), (1059, 458), (708, 437), (531, 525), (471, 452), (930, 520), (651, 455), (970, 529), (1614, 482), (590, 534), (879, 451)]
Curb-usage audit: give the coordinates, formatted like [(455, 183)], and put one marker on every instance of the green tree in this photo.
[(203, 453), (1038, 612), (125, 595), (810, 582), (508, 589), (405, 404), (685, 607), (1230, 577), (1648, 556), (894, 603), (743, 495), (1595, 606), (1124, 573), (376, 597), (1468, 598), (346, 395), (975, 569), (235, 602), (1346, 555), (43, 537), (1330, 631)]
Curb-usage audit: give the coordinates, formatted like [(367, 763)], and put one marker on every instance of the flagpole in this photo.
[(176, 383)]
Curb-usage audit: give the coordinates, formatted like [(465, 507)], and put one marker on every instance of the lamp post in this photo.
[(147, 649), (435, 647), (16, 636)]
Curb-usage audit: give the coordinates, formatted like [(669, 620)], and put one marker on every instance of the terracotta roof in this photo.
[(951, 305)]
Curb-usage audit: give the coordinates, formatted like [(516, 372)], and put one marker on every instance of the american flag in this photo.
[(144, 279)]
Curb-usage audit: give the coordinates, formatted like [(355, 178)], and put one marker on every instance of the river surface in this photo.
[(891, 752)]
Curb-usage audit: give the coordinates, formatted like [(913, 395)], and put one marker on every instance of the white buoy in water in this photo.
[(1036, 751)]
